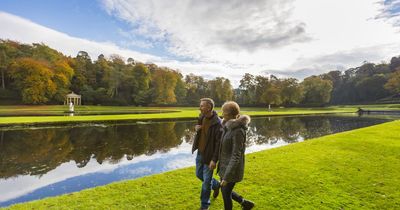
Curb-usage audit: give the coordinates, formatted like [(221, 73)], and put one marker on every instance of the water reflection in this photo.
[(41, 162), (38, 151)]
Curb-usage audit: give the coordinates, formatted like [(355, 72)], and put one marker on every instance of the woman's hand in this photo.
[(197, 127), (212, 165), (223, 183)]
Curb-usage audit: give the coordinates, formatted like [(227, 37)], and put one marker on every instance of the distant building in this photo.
[(73, 98)]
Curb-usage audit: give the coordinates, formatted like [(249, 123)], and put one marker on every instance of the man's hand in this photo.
[(223, 183), (212, 165), (197, 127)]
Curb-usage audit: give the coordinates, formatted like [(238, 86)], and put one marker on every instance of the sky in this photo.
[(214, 38)]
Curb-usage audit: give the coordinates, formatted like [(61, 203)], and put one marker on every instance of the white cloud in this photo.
[(390, 11), (23, 30), (22, 185), (342, 60), (19, 29), (263, 34), (230, 38)]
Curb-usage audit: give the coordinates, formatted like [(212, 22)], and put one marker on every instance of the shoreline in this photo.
[(132, 118), (343, 170)]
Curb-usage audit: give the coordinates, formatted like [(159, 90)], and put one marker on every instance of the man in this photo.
[(206, 142)]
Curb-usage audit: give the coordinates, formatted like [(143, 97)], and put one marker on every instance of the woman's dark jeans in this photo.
[(228, 195)]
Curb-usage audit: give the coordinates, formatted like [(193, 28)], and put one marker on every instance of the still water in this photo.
[(26, 113), (40, 162)]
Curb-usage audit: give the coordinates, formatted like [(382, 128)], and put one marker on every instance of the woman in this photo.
[(231, 154)]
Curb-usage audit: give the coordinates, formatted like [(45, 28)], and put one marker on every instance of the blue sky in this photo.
[(77, 18), (294, 38), (84, 19)]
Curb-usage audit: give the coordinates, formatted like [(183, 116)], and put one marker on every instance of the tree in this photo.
[(9, 51), (62, 75), (247, 89), (371, 88), (180, 91), (367, 69), (4, 62), (227, 90), (272, 92), (215, 89), (196, 88), (142, 84), (317, 90), (164, 83), (291, 91), (394, 63), (131, 61), (220, 90), (114, 74), (393, 84), (101, 67), (338, 81), (261, 84), (34, 79)]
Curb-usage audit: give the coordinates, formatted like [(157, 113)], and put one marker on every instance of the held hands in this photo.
[(212, 165), (197, 127)]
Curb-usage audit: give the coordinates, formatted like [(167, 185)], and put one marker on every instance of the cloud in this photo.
[(23, 30), (231, 38), (307, 66), (262, 34), (16, 28), (191, 26), (390, 11)]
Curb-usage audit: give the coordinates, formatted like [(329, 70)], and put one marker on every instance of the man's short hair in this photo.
[(232, 108), (209, 101)]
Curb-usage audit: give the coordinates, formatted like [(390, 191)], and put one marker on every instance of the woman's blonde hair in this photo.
[(232, 108)]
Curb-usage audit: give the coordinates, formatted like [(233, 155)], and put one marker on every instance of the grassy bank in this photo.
[(107, 116), (358, 169)]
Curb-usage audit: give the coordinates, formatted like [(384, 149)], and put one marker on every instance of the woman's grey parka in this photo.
[(232, 148)]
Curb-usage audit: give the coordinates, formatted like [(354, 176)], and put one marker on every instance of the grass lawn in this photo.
[(358, 169), (178, 113)]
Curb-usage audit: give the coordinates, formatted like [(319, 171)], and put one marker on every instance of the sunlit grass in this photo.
[(121, 113), (178, 113), (357, 169)]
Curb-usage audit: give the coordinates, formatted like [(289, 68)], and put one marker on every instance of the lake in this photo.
[(38, 162)]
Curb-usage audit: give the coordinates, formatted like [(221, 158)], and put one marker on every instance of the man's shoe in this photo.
[(216, 192), (247, 205)]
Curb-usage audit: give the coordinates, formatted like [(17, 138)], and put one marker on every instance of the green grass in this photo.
[(179, 113), (358, 169), (113, 113)]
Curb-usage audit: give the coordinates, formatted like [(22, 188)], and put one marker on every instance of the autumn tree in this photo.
[(393, 84), (227, 89), (62, 75), (34, 79), (163, 85)]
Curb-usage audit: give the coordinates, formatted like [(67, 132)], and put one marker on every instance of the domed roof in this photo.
[(73, 95)]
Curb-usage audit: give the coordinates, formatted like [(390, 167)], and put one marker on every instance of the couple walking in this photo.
[(221, 142)]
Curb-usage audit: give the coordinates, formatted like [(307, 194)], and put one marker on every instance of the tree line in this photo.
[(38, 74)]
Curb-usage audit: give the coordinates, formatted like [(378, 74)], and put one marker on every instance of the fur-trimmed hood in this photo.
[(242, 121)]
